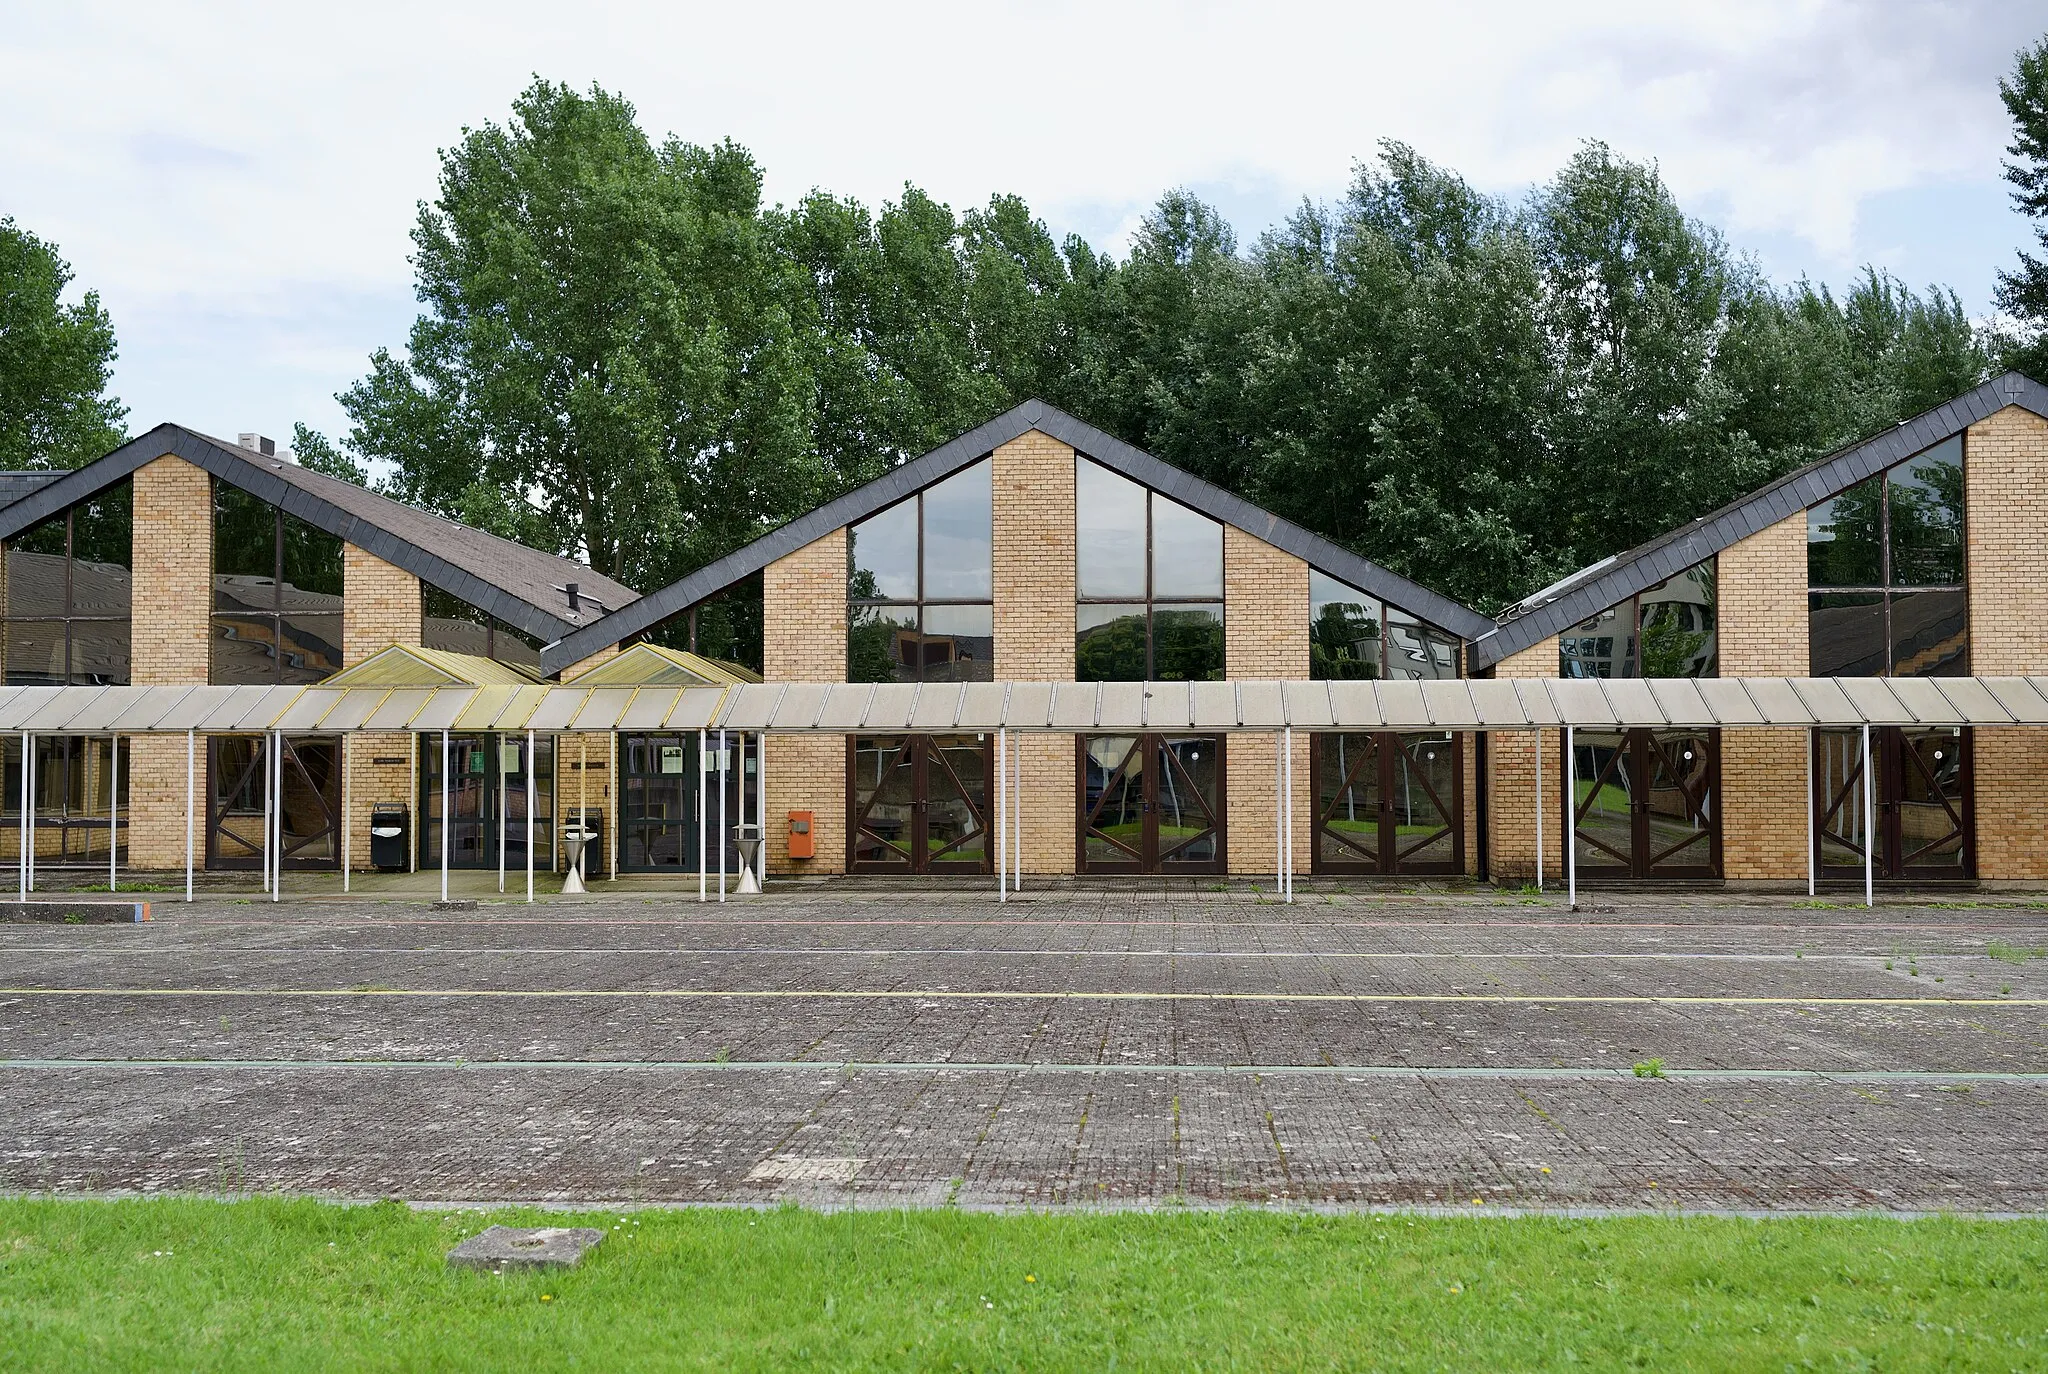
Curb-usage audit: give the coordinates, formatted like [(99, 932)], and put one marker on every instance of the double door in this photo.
[(1920, 782), (666, 787), (486, 797), (237, 767), (919, 803), (1389, 802), (1647, 803), (1151, 804)]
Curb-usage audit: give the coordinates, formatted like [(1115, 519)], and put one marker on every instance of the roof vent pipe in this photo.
[(575, 591)]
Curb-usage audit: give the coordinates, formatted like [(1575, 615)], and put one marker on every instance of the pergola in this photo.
[(1005, 709)]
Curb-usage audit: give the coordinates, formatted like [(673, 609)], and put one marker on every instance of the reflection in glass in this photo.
[(100, 653), (956, 799), (1187, 552), (1109, 532), (1417, 651), (885, 797), (1924, 509), (1604, 811), (35, 653), (1844, 538), (1187, 643), (1597, 648), (883, 549), (1676, 637), (1930, 634), (311, 647), (881, 644), (1186, 804), (1347, 782), (1930, 802), (1109, 643), (1344, 630), (1115, 800), (958, 537), (35, 581), (242, 649), (1845, 634), (1842, 822), (958, 644)]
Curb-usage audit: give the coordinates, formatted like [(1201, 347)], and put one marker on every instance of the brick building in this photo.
[(1035, 549)]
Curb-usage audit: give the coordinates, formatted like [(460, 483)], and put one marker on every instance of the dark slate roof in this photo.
[(1669, 554), (520, 586), (970, 448), (15, 485)]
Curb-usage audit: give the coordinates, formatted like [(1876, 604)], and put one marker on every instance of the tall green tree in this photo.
[(2023, 292), (608, 364), (56, 361)]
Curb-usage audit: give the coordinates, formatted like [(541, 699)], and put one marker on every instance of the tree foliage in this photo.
[(626, 355), (2023, 291), (55, 362)]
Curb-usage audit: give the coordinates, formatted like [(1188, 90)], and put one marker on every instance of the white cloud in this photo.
[(252, 170)]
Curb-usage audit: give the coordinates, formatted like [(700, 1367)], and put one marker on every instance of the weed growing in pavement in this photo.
[(2014, 954), (721, 1055), (1650, 1068)]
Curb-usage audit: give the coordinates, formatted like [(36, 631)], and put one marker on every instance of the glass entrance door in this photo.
[(486, 800), (919, 803), (1922, 786), (311, 802), (1389, 802), (659, 830), (1648, 803), (1151, 804)]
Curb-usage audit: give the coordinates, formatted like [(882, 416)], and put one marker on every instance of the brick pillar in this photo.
[(172, 594), (803, 639), (1265, 635), (1511, 783), (1762, 628), (2005, 480), (1033, 477)]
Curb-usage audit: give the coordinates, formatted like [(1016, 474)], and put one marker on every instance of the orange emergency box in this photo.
[(801, 844)]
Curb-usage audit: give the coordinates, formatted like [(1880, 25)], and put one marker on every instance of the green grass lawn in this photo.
[(265, 1284)]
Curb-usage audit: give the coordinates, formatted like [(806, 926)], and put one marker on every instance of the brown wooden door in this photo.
[(1150, 804), (919, 803)]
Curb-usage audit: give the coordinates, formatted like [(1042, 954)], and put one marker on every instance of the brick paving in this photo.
[(868, 1048)]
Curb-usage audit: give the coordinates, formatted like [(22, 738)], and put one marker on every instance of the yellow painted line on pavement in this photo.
[(892, 994)]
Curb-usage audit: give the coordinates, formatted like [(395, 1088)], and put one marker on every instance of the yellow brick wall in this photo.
[(803, 639), (1033, 560), (172, 595), (1265, 635), (380, 605), (1512, 781), (1762, 625), (2005, 480)]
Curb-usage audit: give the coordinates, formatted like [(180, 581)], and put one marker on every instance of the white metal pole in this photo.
[(1279, 819), (113, 811), (31, 811), (498, 743), (266, 813), (1539, 810), (612, 789), (1290, 813), (723, 783), (412, 859), (277, 824), (22, 858), (531, 758), (1002, 838), (1571, 828), (1017, 816), (703, 805), (1869, 825), (191, 751), (1812, 818), (346, 827), (447, 819), (761, 803)]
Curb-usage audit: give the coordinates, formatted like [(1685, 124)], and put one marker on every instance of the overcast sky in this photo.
[(237, 181)]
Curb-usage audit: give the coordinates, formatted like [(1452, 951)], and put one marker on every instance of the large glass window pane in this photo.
[(1930, 634), (1598, 647), (1187, 643), (1109, 643), (1109, 532), (958, 536), (102, 529), (244, 534), (1926, 512), (311, 647), (35, 653), (1343, 630), (312, 560), (1843, 546), (1187, 552), (958, 644), (35, 581), (881, 644), (883, 549), (100, 653), (1677, 636), (1417, 650), (242, 650), (1845, 634)]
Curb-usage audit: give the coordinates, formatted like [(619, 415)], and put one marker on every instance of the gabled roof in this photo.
[(970, 448), (522, 587), (1601, 585), (656, 665), (15, 485), (409, 665)]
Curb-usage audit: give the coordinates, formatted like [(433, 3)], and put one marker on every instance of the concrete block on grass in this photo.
[(526, 1247)]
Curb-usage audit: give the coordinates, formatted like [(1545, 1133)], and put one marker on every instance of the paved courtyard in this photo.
[(850, 1047)]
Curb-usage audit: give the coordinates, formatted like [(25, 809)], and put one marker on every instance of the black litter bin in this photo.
[(390, 838)]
